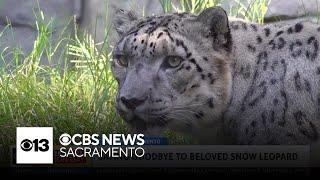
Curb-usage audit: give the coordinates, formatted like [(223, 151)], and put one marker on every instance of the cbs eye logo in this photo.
[(35, 145), (65, 139)]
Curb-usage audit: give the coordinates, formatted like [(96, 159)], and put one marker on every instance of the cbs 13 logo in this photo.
[(35, 145)]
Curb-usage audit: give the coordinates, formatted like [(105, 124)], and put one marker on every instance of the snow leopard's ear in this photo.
[(216, 20), (123, 20)]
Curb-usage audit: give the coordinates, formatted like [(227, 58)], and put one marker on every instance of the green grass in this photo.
[(254, 11), (193, 6), (72, 99), (77, 95)]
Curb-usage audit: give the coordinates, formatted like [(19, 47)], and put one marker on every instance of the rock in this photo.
[(20, 38), (285, 9), (23, 11), (22, 15)]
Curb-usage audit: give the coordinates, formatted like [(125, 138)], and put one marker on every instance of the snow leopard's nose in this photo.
[(132, 103)]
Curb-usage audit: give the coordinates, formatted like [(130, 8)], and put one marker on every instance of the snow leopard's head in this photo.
[(173, 70)]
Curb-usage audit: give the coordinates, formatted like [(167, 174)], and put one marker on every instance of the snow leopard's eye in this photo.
[(122, 61), (173, 61)]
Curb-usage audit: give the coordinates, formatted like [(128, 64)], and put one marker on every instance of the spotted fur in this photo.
[(237, 82)]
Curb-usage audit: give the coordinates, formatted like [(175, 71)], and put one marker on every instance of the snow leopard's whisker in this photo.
[(182, 117), (184, 112), (187, 106), (191, 110)]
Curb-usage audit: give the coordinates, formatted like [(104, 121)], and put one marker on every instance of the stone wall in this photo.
[(92, 16), (21, 15), (288, 9)]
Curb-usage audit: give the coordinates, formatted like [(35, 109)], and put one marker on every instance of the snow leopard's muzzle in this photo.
[(139, 102)]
